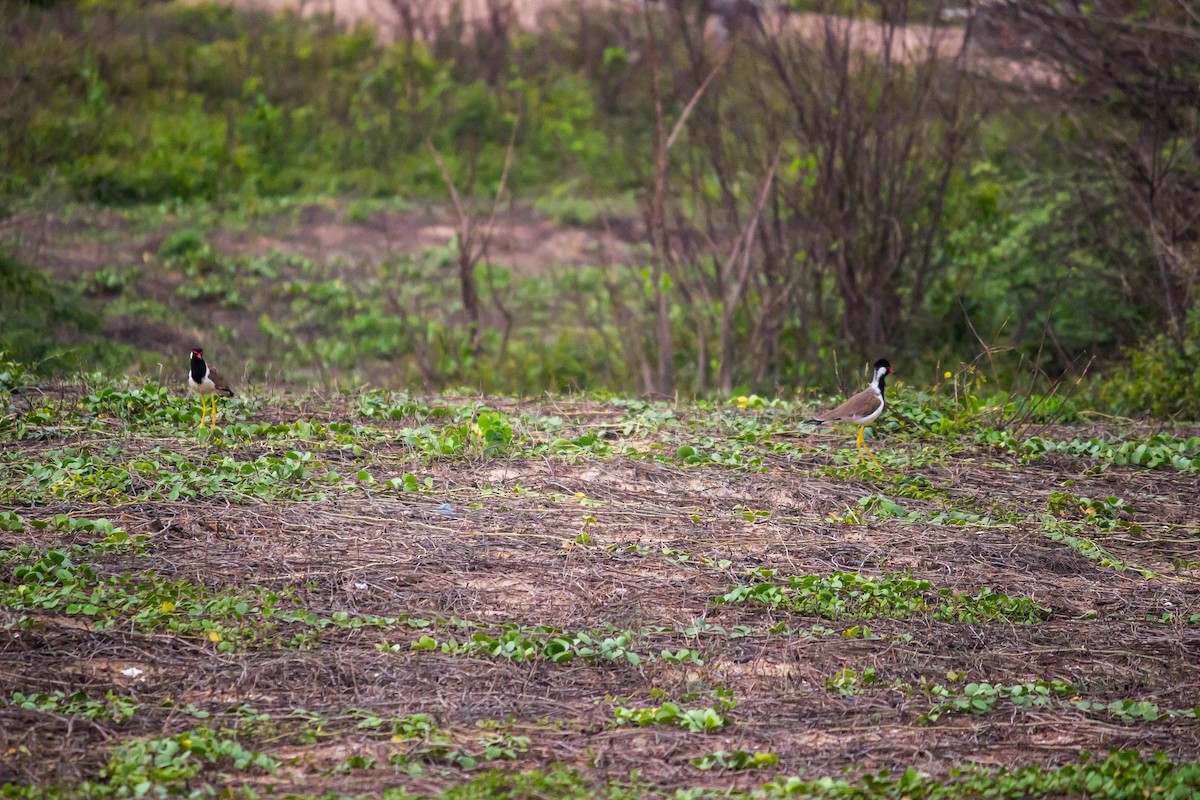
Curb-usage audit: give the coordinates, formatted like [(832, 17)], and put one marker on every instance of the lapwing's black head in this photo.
[(198, 368), (881, 370)]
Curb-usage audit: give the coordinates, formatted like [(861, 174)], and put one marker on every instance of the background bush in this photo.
[(917, 209)]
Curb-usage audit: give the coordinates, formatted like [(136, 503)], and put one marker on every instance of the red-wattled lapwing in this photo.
[(862, 409), (207, 382)]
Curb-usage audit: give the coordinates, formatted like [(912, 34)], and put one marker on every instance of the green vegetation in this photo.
[(980, 698), (573, 576), (1119, 775), (112, 707), (162, 127), (736, 760), (45, 328), (1070, 535), (75, 474), (169, 764), (53, 582), (522, 645), (696, 720), (848, 682), (850, 596), (195, 102), (1157, 451), (1161, 377)]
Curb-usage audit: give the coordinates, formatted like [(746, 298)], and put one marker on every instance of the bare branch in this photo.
[(508, 159), (464, 219), (687, 110)]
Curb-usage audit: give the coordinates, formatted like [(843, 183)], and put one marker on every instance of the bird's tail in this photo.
[(814, 421), (226, 392)]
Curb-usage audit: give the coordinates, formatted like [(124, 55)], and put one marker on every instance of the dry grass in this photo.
[(505, 556)]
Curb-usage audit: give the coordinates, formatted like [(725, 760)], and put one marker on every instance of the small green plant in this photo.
[(735, 761), (517, 643), (751, 514), (877, 506), (495, 430), (12, 374), (53, 581), (682, 656), (183, 245), (111, 280), (848, 596), (1121, 775), (1108, 513), (1131, 712), (167, 764), (696, 720), (840, 595), (138, 404), (162, 473), (110, 708), (979, 698), (352, 764), (1056, 531), (709, 451), (427, 743), (1157, 452), (112, 540), (849, 682)]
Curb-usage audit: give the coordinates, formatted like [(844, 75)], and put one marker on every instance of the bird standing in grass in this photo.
[(862, 409), (207, 382)]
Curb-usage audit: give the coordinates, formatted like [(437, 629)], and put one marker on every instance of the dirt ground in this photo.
[(523, 241), (507, 551)]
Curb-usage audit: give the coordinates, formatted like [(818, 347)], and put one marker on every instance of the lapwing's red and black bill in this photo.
[(207, 382), (862, 409)]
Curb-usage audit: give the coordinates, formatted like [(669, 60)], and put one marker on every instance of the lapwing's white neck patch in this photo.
[(880, 374)]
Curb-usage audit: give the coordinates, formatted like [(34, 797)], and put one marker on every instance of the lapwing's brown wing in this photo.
[(221, 384), (860, 405)]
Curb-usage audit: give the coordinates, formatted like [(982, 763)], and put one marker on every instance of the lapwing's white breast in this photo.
[(205, 386)]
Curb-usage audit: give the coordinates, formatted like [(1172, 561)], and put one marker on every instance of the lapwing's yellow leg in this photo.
[(213, 418), (864, 452), (864, 447), (203, 410)]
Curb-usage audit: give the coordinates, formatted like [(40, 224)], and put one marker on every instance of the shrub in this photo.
[(49, 328), (1161, 377)]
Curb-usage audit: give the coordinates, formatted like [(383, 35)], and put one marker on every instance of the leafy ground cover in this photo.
[(373, 593), (317, 291)]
